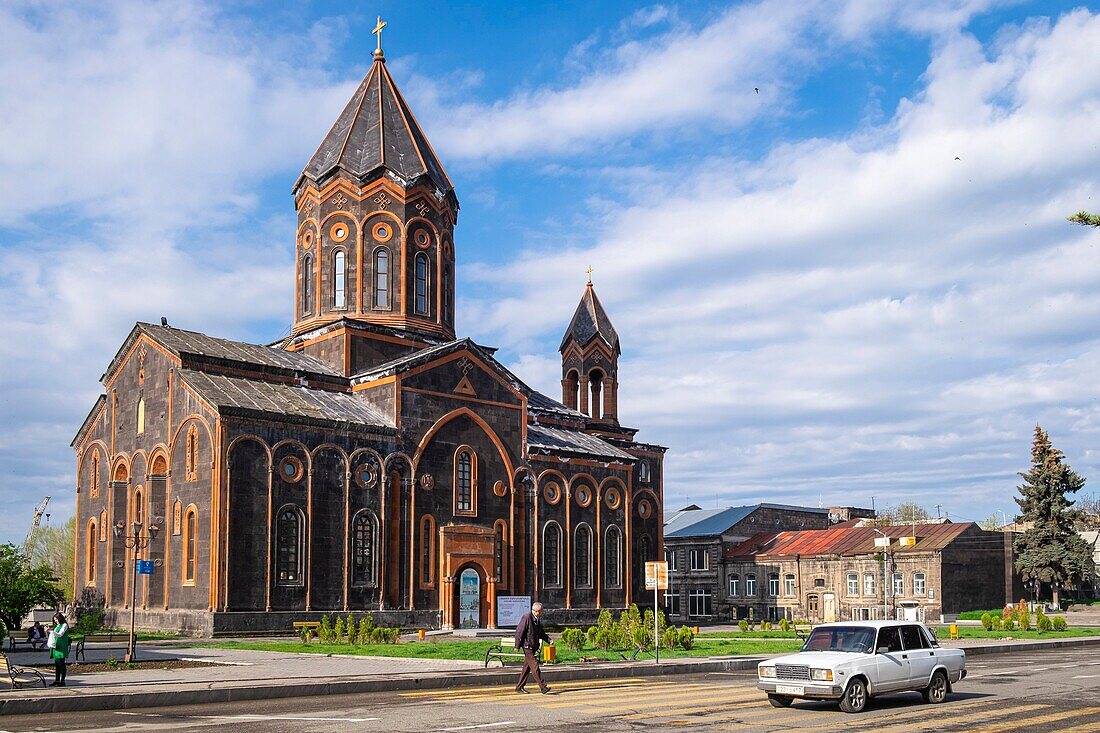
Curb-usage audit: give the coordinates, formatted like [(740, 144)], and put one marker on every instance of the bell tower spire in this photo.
[(590, 360)]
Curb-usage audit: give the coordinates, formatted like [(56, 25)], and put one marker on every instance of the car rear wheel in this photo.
[(936, 692), (855, 697), (780, 701)]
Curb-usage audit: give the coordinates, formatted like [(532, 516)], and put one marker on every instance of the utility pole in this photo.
[(938, 510)]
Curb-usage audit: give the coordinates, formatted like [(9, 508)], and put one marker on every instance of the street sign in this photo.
[(144, 567), (907, 541), (656, 576), (882, 542)]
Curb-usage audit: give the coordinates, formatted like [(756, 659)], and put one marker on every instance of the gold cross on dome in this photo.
[(589, 271), (378, 32)]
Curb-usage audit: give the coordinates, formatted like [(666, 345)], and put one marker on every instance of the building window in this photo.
[(89, 559), (869, 584), (382, 279), (421, 304), (500, 557), (773, 584), (192, 467), (190, 542), (307, 285), (94, 483), (919, 587), (613, 544), (465, 466), (138, 514), (551, 555), (582, 557), (427, 553), (670, 558), (899, 584), (141, 416), (643, 472), (363, 549), (735, 583), (447, 294), (288, 547), (699, 602), (750, 585), (788, 585), (339, 299), (698, 559), (853, 584), (672, 603)]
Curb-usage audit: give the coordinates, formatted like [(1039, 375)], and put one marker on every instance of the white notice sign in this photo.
[(510, 609)]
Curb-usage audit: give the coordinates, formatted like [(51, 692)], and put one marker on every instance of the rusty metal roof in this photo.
[(861, 540)]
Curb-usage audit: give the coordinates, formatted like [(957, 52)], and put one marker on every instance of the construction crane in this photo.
[(39, 512)]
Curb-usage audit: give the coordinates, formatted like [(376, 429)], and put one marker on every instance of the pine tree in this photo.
[(1084, 218), (1051, 551)]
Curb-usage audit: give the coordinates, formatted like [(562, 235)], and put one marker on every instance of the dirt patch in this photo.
[(85, 668)]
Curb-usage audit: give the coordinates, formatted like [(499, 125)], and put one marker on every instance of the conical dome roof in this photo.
[(590, 321), (377, 132)]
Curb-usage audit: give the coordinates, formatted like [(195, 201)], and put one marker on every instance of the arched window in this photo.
[(137, 513), (644, 550), (338, 280), (422, 277), (582, 557), (192, 468), (465, 478), (447, 312), (551, 555), (612, 558), (381, 278), (141, 416), (89, 559), (363, 545), (571, 389), (427, 553), (190, 542), (94, 483), (500, 557), (595, 383), (643, 472), (288, 546), (307, 285)]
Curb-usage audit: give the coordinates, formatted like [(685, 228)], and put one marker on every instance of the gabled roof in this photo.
[(192, 346), (560, 440), (378, 132), (589, 321), (285, 402), (861, 540), (713, 522)]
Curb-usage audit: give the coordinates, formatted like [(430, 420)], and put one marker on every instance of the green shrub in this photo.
[(304, 635), (669, 638), (112, 663), (987, 621), (1024, 620), (976, 615), (686, 638), (591, 634), (1059, 623), (573, 639), (784, 624), (1043, 622), (1009, 613), (325, 630), (1007, 623), (743, 625), (338, 630), (366, 624)]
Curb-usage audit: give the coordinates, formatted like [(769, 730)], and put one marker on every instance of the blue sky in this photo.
[(817, 301)]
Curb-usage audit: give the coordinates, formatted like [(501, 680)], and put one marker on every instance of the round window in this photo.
[(552, 493), (421, 238), (290, 468), (365, 476), (645, 509), (307, 239), (613, 498), (584, 495), (499, 488), (339, 232), (382, 231)]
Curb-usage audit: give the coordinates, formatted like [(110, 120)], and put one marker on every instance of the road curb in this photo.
[(61, 703)]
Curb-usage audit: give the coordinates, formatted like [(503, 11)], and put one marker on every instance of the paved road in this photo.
[(1035, 691)]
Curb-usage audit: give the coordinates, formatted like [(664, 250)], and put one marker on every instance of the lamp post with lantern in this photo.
[(137, 541)]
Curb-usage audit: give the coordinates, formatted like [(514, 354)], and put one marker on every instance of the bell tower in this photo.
[(375, 238), (590, 361)]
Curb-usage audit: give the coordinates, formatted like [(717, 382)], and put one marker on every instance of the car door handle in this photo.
[(904, 656)]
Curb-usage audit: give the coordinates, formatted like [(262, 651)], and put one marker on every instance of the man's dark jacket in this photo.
[(529, 632)]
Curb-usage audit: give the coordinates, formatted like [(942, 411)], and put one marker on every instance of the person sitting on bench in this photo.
[(36, 636)]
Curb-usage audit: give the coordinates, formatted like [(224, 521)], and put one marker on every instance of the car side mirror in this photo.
[(882, 650)]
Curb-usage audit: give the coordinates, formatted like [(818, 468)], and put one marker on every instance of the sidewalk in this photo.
[(251, 675)]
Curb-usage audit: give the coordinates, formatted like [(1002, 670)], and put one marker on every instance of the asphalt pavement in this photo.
[(1033, 690)]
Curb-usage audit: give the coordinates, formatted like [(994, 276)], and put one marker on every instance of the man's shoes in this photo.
[(55, 684), (545, 689), (522, 691)]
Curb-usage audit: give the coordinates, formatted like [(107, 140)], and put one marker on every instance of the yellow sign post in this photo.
[(656, 577)]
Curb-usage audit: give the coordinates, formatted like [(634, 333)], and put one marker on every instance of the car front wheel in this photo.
[(936, 692), (855, 697), (780, 701)]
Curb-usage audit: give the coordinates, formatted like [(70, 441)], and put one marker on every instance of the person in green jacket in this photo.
[(59, 649)]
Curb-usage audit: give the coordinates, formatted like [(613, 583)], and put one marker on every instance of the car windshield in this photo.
[(853, 639)]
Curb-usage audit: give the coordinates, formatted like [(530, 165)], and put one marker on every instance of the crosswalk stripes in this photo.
[(1023, 723), (474, 693), (1089, 727), (923, 717)]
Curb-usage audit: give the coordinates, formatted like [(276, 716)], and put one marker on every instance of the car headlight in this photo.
[(821, 675), (767, 671)]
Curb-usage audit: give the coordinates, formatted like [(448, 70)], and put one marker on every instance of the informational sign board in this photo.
[(907, 541), (144, 567), (882, 542), (656, 576), (510, 609)]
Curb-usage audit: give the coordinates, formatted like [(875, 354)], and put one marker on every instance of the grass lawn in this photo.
[(475, 650), (775, 634), (977, 632)]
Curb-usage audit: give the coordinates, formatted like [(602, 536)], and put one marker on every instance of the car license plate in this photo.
[(789, 689)]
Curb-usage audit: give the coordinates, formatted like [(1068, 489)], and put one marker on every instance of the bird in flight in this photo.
[(957, 158), (756, 89)]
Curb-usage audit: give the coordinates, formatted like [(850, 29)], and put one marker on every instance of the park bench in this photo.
[(105, 638), (802, 629), (315, 625), (506, 649), (35, 645), (14, 674)]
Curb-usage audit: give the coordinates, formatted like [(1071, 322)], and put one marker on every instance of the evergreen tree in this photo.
[(1084, 218), (1051, 551)]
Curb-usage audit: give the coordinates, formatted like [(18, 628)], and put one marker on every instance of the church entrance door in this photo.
[(469, 599)]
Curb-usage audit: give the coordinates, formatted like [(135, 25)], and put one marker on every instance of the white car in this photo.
[(857, 660)]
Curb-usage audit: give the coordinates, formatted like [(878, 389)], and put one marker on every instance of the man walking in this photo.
[(528, 635)]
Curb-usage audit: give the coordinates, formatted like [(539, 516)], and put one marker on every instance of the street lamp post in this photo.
[(137, 542), (885, 545)]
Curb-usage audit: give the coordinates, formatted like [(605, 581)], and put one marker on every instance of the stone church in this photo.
[(372, 460)]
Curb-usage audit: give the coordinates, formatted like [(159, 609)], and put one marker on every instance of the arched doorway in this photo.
[(469, 599)]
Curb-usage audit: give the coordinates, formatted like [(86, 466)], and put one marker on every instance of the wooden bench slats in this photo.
[(506, 648), (107, 638)]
